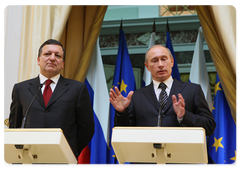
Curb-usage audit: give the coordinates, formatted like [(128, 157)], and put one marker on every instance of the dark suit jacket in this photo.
[(69, 108), (144, 107)]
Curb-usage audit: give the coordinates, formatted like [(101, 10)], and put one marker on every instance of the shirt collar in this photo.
[(54, 78), (168, 83)]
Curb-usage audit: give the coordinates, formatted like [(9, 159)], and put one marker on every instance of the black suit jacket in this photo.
[(144, 107), (69, 108)]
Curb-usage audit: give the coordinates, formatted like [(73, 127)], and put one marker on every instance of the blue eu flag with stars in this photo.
[(124, 80), (222, 144)]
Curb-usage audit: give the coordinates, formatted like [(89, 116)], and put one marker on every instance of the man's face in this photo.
[(159, 63), (51, 60)]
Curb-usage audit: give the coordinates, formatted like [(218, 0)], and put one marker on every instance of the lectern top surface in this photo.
[(33, 130)]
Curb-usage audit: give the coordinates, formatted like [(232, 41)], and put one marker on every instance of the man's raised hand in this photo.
[(119, 102)]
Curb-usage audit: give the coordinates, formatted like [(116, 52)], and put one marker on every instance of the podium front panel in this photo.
[(45, 146), (182, 145)]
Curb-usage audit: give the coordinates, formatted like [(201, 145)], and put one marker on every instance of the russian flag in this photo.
[(96, 151)]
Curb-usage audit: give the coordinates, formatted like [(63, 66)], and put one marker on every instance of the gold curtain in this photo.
[(39, 24), (219, 55), (79, 37)]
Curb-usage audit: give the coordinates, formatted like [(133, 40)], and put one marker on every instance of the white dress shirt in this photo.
[(52, 85), (157, 90), (168, 83)]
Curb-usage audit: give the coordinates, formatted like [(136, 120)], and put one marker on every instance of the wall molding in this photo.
[(142, 49), (176, 23)]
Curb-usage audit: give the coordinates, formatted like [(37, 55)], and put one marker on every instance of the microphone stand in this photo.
[(159, 145), (24, 119), (159, 117)]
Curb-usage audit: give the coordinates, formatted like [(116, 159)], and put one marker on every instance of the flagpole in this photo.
[(154, 26), (168, 26)]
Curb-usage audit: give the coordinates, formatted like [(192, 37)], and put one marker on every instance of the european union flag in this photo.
[(175, 71), (222, 144), (124, 80)]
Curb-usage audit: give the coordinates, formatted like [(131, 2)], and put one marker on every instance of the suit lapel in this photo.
[(33, 88), (177, 87), (61, 88), (149, 93)]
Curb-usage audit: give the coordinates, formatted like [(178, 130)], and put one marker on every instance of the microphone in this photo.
[(24, 119), (159, 117)]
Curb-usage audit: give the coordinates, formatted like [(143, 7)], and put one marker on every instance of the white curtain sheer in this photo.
[(12, 40), (225, 16), (39, 24)]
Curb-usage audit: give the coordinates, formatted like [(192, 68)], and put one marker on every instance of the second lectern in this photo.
[(160, 145)]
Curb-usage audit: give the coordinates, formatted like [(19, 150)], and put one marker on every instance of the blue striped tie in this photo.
[(163, 95)]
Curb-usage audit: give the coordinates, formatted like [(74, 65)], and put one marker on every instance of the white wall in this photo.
[(12, 42)]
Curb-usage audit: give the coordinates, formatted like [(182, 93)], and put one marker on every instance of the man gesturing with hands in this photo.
[(184, 105)]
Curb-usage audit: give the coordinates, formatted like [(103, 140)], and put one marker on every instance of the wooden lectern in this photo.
[(37, 146), (160, 145)]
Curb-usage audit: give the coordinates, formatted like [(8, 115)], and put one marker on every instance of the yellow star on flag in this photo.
[(213, 108), (217, 87), (123, 87), (234, 158), (217, 143)]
